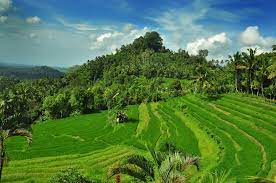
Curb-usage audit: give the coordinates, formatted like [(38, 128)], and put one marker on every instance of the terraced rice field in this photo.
[(234, 132)]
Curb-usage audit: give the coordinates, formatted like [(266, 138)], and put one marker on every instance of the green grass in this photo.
[(234, 132)]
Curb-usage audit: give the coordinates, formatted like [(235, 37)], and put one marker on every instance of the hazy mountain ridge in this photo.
[(22, 71)]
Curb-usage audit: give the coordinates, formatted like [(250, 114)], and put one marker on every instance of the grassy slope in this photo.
[(232, 132)]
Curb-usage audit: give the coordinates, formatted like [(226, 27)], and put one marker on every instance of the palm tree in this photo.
[(201, 77), (4, 135), (272, 71), (263, 71), (237, 61), (162, 167), (250, 61)]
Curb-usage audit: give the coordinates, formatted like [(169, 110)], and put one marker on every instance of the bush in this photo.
[(70, 176)]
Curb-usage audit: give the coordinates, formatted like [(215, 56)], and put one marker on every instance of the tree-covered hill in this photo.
[(146, 74), (29, 72), (142, 71)]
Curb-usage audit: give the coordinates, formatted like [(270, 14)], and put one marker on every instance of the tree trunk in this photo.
[(262, 88), (2, 153), (236, 81), (250, 82)]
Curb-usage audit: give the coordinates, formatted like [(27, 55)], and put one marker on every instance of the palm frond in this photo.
[(168, 166), (140, 161), (130, 170), (177, 177), (189, 161), (218, 177), (156, 157), (260, 180)]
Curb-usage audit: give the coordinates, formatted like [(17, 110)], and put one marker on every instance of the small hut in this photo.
[(121, 117)]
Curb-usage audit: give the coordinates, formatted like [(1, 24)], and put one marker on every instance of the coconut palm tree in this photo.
[(250, 61), (162, 167), (263, 72), (272, 70), (238, 64), (201, 79)]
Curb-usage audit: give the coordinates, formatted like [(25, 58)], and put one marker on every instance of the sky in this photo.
[(70, 32)]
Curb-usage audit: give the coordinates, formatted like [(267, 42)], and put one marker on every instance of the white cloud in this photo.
[(104, 36), (78, 27), (110, 41), (214, 44), (252, 38), (5, 5), (259, 51), (180, 26), (33, 20), (3, 19)]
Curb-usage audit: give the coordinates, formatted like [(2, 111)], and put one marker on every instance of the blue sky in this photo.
[(69, 32)]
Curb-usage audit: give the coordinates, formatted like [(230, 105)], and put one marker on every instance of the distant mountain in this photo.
[(28, 72), (61, 69)]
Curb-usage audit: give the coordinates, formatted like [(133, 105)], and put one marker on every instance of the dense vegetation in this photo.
[(138, 74), (29, 72), (142, 72)]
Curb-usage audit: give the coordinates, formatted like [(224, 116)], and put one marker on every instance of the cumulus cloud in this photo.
[(252, 38), (5, 5), (180, 26), (3, 19), (259, 51), (110, 41), (104, 36), (214, 44), (33, 20)]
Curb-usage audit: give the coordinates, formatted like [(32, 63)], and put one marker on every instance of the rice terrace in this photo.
[(123, 91), (225, 133)]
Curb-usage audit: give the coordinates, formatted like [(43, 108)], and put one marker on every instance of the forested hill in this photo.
[(143, 71), (29, 72)]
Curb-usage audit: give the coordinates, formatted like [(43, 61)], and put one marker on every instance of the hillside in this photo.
[(234, 132), (28, 72), (205, 118)]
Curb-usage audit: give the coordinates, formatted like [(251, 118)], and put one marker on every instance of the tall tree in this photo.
[(250, 61), (237, 62), (263, 72)]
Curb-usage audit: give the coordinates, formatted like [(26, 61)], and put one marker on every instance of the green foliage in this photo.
[(69, 102), (219, 177), (21, 72), (87, 143), (70, 176), (163, 167), (142, 72)]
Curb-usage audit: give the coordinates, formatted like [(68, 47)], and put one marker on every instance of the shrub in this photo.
[(70, 176)]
